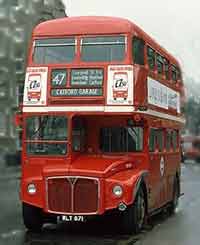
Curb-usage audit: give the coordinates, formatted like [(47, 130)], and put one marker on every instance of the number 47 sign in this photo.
[(58, 78)]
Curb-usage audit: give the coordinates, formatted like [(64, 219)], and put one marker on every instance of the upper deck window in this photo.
[(103, 48), (166, 68), (138, 50), (151, 57), (160, 63), (176, 75), (51, 51)]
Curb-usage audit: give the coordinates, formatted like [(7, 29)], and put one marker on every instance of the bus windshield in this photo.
[(54, 50), (46, 135), (103, 48)]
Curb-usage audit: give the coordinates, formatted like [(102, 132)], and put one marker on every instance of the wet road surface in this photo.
[(180, 229)]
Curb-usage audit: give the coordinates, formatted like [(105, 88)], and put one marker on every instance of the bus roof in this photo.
[(83, 25), (90, 25)]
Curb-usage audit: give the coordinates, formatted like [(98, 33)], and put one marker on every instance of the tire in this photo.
[(32, 217), (174, 202), (133, 218)]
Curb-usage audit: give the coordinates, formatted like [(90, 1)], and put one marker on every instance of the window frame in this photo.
[(156, 145), (159, 61), (27, 141), (53, 45), (125, 43), (151, 55), (80, 126), (166, 71), (175, 140), (135, 56), (125, 151)]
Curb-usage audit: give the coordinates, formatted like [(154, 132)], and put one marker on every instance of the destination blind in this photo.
[(87, 77), (76, 92)]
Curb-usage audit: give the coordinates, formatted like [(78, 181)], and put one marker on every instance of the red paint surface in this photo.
[(124, 169)]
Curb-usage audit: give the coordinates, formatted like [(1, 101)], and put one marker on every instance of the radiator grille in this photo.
[(72, 195)]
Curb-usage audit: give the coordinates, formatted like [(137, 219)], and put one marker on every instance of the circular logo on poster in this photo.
[(162, 166)]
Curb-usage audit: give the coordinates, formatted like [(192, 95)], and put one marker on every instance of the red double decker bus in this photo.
[(104, 134)]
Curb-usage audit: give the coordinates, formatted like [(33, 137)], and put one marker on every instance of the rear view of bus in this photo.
[(101, 121)]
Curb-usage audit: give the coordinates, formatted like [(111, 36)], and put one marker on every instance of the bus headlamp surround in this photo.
[(117, 190), (31, 189)]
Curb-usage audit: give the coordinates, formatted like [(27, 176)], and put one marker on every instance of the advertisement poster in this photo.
[(174, 100), (35, 87), (162, 96), (157, 93), (120, 85)]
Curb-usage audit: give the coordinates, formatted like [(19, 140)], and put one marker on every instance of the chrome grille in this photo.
[(72, 195)]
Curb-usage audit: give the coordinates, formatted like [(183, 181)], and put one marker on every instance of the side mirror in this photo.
[(18, 120)]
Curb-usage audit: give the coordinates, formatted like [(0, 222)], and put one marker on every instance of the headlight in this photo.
[(117, 190), (31, 189)]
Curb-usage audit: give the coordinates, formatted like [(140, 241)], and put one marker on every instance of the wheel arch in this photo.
[(141, 183)]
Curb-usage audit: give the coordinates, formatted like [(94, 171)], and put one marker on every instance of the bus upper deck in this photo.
[(101, 64)]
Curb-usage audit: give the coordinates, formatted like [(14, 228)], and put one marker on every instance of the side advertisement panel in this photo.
[(120, 85), (162, 96), (35, 87)]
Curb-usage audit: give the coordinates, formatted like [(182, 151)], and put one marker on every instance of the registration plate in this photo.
[(73, 218)]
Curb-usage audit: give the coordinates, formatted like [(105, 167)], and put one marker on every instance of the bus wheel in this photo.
[(32, 217), (174, 202), (133, 218)]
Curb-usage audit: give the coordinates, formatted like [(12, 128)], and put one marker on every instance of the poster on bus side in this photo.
[(35, 87), (162, 96), (120, 85)]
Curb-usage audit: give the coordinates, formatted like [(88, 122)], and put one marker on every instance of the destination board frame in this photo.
[(76, 92), (85, 77)]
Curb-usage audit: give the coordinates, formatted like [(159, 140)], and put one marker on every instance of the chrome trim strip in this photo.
[(76, 177)]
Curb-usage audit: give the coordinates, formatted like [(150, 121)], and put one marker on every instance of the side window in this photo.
[(174, 73), (78, 135), (152, 140), (121, 139), (159, 63), (138, 51), (168, 140), (166, 69), (156, 140), (178, 74), (151, 57), (175, 140), (159, 139)]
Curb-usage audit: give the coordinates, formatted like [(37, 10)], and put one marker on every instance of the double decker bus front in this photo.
[(78, 145)]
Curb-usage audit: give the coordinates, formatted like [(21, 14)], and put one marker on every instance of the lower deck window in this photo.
[(121, 139), (46, 148), (46, 135)]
